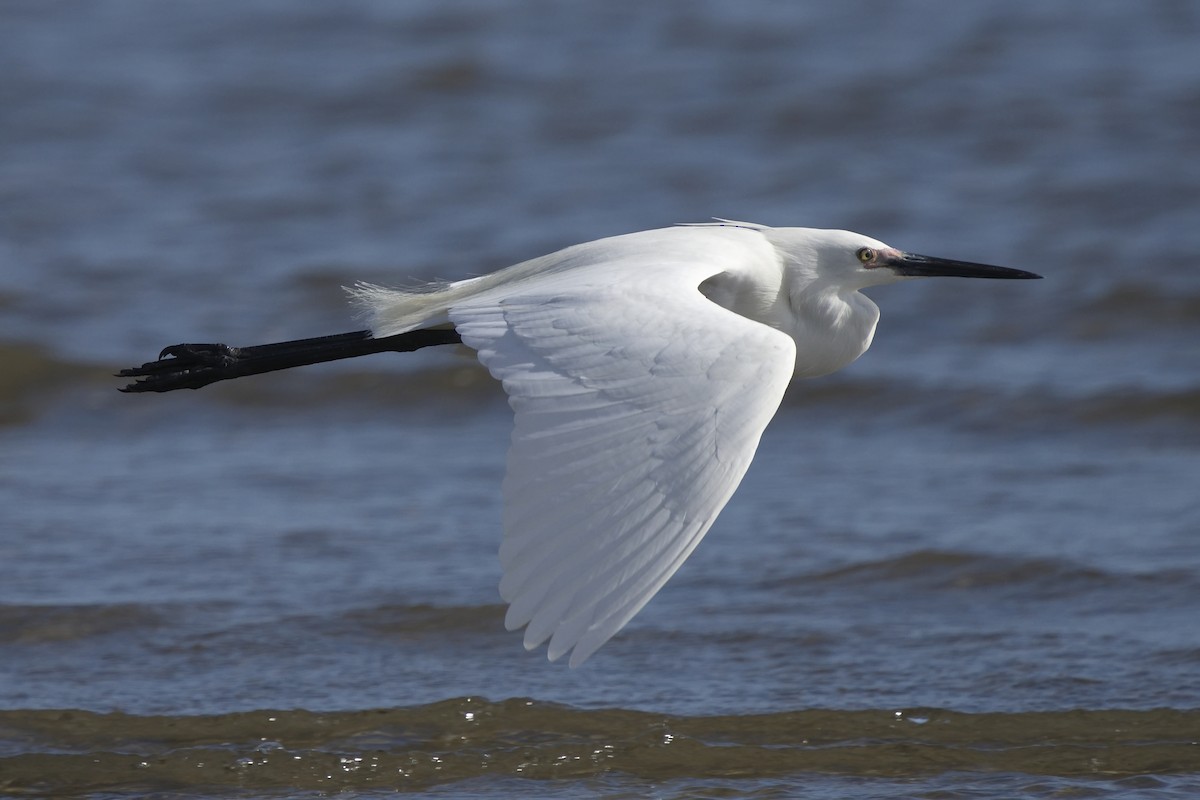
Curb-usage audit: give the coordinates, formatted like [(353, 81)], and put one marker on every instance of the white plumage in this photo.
[(642, 370)]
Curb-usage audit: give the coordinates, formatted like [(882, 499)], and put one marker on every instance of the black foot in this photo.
[(184, 366)]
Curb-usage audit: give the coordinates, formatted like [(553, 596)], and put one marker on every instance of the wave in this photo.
[(1135, 309), (29, 372), (948, 570), (472, 738), (31, 624)]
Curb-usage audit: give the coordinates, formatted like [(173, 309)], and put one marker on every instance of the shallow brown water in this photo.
[(522, 746)]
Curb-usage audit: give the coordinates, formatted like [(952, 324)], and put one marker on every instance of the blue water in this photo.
[(993, 512)]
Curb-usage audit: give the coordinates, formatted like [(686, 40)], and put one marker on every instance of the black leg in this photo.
[(190, 366)]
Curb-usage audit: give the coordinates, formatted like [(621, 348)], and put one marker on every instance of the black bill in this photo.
[(928, 266)]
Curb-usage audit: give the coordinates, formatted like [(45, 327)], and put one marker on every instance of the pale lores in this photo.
[(642, 370)]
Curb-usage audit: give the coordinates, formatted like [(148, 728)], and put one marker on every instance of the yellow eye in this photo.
[(866, 255)]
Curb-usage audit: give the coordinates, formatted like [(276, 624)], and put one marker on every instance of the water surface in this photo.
[(969, 565)]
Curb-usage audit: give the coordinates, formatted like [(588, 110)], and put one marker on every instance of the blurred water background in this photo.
[(969, 565)]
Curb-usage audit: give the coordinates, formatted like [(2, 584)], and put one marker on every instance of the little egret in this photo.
[(641, 369)]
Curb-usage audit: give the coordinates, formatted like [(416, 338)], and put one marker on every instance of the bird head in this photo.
[(853, 261)]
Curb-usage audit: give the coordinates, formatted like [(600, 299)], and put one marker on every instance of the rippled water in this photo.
[(969, 565), (525, 748)]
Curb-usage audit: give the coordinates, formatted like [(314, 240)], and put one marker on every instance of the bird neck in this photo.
[(831, 327)]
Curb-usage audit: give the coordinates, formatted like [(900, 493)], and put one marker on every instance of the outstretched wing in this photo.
[(639, 405)]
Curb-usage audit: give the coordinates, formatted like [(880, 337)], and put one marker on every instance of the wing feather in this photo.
[(638, 407)]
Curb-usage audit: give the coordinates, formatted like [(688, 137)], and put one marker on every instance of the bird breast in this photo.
[(831, 329)]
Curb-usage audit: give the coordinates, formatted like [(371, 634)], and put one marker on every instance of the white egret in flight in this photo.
[(641, 369)]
